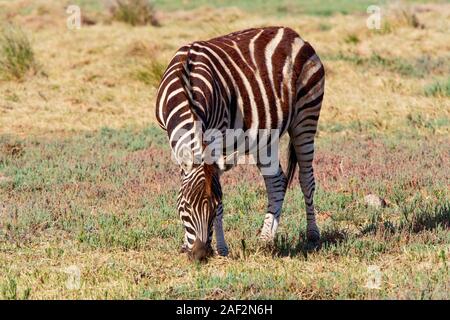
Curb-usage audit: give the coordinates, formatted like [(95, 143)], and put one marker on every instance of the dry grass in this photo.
[(74, 194), (16, 54), (92, 80), (133, 12)]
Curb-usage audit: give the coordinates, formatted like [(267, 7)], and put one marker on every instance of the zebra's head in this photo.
[(198, 201)]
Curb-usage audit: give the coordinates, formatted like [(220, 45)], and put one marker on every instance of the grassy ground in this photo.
[(86, 178)]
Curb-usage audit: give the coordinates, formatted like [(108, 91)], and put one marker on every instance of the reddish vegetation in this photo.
[(159, 173), (374, 161), (242, 173), (336, 168)]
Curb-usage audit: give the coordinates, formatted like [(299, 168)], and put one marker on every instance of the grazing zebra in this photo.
[(261, 78)]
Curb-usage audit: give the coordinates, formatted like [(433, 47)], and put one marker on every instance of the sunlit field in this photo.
[(88, 189)]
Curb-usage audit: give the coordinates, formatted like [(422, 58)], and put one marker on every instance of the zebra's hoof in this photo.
[(312, 245), (313, 238), (223, 252), (267, 239)]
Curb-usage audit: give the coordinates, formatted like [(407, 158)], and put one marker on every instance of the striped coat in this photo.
[(262, 78)]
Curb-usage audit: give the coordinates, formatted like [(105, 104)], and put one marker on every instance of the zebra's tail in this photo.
[(292, 163)]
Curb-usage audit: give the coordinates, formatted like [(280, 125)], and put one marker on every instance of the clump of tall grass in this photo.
[(438, 88), (400, 16), (151, 73), (351, 39), (133, 12), (409, 18), (16, 54), (149, 67)]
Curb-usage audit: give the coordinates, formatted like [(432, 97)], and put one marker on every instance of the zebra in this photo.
[(259, 78)]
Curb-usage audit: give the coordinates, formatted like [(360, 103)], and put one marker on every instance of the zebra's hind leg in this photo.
[(276, 189), (221, 245), (302, 130), (303, 144)]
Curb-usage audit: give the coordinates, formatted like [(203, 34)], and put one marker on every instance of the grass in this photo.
[(105, 194), (151, 73), (418, 67), (320, 8), (352, 38), (438, 88), (16, 54), (86, 180), (134, 12)]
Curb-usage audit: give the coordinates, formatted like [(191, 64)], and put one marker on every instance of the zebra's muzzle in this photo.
[(200, 251)]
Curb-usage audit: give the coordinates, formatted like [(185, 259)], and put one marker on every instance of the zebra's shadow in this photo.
[(427, 219), (302, 247)]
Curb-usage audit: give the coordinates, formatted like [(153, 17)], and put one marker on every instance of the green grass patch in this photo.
[(315, 7), (110, 197), (438, 88), (351, 39), (151, 73), (416, 68), (102, 155)]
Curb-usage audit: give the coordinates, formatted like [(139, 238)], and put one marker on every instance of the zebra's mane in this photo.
[(194, 106)]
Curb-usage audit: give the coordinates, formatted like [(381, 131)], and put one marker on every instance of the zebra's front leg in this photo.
[(181, 205), (185, 246), (276, 189), (222, 248)]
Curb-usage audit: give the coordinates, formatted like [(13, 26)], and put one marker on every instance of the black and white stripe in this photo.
[(266, 78)]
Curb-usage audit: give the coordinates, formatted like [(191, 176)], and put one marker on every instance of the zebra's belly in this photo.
[(253, 147), (260, 117)]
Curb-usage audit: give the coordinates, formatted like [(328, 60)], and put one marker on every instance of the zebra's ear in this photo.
[(227, 162)]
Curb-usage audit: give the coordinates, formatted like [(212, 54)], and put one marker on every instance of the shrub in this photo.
[(16, 54), (134, 12)]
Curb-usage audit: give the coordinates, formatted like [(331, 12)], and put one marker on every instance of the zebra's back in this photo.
[(253, 76)]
